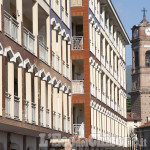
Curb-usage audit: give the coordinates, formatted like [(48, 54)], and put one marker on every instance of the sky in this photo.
[(130, 14)]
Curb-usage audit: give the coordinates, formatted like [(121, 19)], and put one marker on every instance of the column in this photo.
[(19, 14), (103, 13), (28, 94), (35, 24), (43, 101), (1, 91), (104, 84), (11, 86), (48, 38), (108, 54), (104, 49), (20, 94)]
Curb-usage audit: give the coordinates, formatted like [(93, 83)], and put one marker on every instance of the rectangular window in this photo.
[(56, 36), (66, 7)]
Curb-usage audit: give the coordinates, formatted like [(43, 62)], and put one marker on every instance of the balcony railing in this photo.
[(108, 101), (76, 3), (26, 109), (16, 107), (78, 130), (69, 124), (10, 26), (53, 59), (29, 40), (77, 43), (65, 120), (102, 60), (103, 98), (111, 70), (7, 104), (112, 104), (57, 63), (59, 121), (77, 87), (67, 71), (33, 105), (41, 115), (54, 120), (64, 68), (43, 52), (47, 118), (107, 65)]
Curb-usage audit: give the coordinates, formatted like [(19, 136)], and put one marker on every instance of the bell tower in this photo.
[(140, 95)]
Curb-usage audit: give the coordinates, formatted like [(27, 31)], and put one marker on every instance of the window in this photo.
[(67, 52), (66, 8), (147, 59), (136, 59), (56, 36)]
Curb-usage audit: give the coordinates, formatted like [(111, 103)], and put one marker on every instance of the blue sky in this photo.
[(130, 14)]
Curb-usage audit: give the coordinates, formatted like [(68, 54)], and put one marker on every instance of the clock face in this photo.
[(147, 31), (135, 33)]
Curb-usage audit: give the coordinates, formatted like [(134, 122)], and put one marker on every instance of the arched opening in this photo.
[(147, 59)]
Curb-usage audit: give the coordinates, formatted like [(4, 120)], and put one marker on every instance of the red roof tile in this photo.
[(132, 116)]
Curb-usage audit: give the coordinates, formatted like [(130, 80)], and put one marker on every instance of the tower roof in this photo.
[(144, 22)]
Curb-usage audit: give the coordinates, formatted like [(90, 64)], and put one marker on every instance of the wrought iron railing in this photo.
[(78, 130), (77, 43)]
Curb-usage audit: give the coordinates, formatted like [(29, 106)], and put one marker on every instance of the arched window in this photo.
[(147, 59)]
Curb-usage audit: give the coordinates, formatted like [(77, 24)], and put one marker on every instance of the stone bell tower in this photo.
[(140, 94)]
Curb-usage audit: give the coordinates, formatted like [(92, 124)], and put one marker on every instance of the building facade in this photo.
[(62, 71), (35, 72), (98, 72), (140, 70)]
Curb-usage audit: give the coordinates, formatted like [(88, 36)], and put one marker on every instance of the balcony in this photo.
[(7, 104), (67, 71), (108, 101), (54, 120), (43, 52), (112, 104), (41, 115), (101, 21), (59, 121), (26, 109), (65, 120), (116, 107), (78, 130), (103, 98), (47, 118), (76, 3), (11, 26), (29, 40), (77, 43), (33, 106), (93, 132), (107, 65), (111, 70), (102, 60), (64, 68), (69, 129), (77, 87), (16, 107), (115, 75)]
